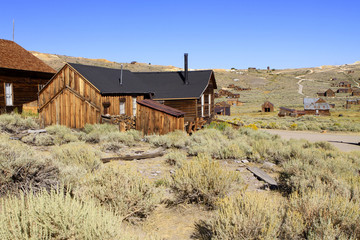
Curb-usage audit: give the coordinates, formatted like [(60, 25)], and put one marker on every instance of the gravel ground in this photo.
[(344, 142)]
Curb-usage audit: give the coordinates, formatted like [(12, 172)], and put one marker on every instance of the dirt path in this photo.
[(344, 142), (300, 90)]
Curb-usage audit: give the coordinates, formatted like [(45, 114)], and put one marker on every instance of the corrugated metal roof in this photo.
[(315, 104), (161, 107), (13, 56)]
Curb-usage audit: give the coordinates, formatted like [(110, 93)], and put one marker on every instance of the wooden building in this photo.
[(344, 90), (222, 108), (344, 85), (156, 118), (290, 112), (316, 106), (80, 94), (355, 92), (327, 93), (267, 107), (21, 76), (234, 102)]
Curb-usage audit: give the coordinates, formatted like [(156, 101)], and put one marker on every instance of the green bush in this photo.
[(202, 180), (317, 215), (77, 154), (244, 216), (61, 134), (175, 157), (120, 189), (176, 139), (56, 215), (22, 169), (15, 123)]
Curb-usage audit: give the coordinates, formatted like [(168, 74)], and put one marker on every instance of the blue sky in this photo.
[(216, 34)]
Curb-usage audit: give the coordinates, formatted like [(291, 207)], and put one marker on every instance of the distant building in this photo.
[(355, 92), (344, 85), (344, 90), (316, 106), (234, 102), (290, 112), (222, 108), (267, 107), (327, 93)]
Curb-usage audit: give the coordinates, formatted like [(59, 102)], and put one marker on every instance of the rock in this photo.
[(244, 161), (269, 165)]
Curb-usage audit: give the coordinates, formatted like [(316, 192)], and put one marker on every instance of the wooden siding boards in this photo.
[(154, 121), (76, 101)]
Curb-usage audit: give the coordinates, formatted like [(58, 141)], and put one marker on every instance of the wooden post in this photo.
[(122, 127)]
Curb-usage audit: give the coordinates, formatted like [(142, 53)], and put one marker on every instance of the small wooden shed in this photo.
[(155, 118), (267, 107), (222, 108)]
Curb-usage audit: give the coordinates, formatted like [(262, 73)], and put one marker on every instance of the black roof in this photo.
[(107, 80), (164, 85)]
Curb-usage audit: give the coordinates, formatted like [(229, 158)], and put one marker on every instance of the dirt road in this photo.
[(344, 142)]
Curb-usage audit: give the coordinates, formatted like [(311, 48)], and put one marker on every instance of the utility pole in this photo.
[(13, 30)]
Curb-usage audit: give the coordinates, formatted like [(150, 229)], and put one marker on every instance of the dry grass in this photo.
[(120, 189), (56, 215), (202, 180)]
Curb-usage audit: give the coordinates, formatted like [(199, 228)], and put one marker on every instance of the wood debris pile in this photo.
[(125, 122)]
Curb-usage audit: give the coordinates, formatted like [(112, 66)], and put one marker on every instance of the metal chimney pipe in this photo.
[(186, 69), (121, 75)]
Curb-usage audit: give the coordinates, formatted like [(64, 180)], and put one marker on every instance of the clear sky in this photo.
[(216, 34)]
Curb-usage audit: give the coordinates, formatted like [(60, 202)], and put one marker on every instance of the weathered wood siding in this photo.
[(69, 109), (114, 101), (70, 100), (151, 121), (67, 77), (186, 105), (24, 90)]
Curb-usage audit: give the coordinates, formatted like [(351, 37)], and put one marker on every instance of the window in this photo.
[(122, 106), (202, 105), (209, 104), (134, 106), (8, 94)]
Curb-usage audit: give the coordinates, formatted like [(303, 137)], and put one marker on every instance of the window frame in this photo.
[(11, 94)]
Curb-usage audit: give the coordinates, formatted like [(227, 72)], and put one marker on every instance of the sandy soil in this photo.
[(344, 142)]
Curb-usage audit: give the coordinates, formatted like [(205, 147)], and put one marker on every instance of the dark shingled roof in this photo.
[(171, 84), (107, 80), (161, 107), (13, 56), (164, 85)]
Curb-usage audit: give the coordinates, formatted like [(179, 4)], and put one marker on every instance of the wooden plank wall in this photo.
[(25, 90), (70, 110), (151, 121), (68, 77), (185, 105), (114, 101), (69, 100)]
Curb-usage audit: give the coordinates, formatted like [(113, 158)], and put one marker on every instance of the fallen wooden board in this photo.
[(150, 154), (262, 175), (36, 131)]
